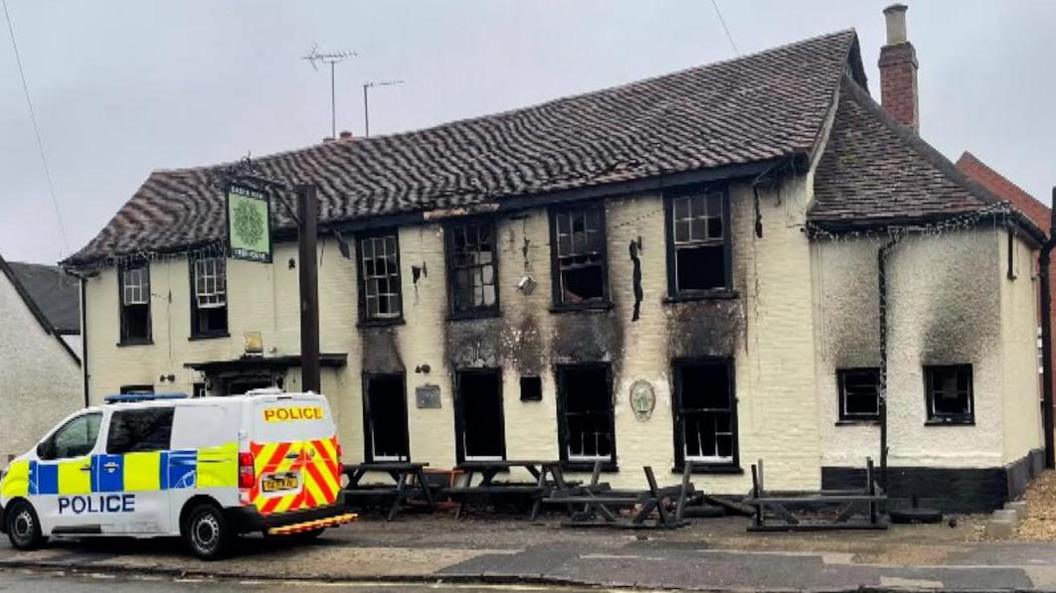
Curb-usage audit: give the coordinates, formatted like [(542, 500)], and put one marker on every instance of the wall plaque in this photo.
[(643, 399), (427, 396)]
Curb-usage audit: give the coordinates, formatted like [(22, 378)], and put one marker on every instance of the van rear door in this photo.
[(294, 447)]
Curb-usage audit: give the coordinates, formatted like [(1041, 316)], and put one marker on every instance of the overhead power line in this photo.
[(36, 130), (718, 12)]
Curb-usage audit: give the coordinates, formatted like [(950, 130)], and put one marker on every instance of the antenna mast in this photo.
[(366, 104), (314, 57)]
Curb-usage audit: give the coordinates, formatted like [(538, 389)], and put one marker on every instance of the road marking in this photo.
[(619, 557), (911, 583)]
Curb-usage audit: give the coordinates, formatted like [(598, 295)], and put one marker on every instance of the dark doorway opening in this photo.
[(385, 418), (479, 424)]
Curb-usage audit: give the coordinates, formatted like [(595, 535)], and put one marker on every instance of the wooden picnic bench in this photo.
[(403, 474), (859, 508), (487, 488), (596, 503)]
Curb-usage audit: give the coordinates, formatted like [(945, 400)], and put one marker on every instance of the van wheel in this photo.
[(23, 527), (207, 533)]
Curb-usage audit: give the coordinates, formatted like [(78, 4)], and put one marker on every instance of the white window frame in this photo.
[(135, 286), (210, 282)]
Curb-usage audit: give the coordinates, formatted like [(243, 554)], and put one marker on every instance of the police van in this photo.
[(207, 469)]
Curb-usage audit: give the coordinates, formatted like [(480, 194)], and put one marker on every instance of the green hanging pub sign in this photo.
[(248, 224)]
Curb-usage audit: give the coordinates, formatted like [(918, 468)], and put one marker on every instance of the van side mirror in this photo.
[(43, 450)]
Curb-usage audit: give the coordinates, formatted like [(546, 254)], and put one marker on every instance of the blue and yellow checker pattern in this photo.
[(210, 467)]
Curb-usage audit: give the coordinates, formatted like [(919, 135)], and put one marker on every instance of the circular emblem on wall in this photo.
[(643, 399)]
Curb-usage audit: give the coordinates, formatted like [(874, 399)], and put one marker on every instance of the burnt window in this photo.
[(698, 242), (472, 270), (586, 426), (134, 283), (859, 394), (208, 297), (705, 413), (385, 418), (948, 389), (580, 273), (379, 277), (135, 431), (136, 389)]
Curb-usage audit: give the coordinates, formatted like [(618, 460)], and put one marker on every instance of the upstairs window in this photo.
[(134, 283), (379, 277), (472, 268), (577, 237), (698, 243), (208, 297), (949, 394), (859, 394)]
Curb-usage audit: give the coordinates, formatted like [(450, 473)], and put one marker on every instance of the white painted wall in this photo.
[(950, 302), (40, 383)]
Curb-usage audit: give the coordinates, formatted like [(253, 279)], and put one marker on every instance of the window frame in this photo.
[(701, 465), (364, 318), (452, 269), (168, 410), (673, 292), (557, 301), (933, 419), (583, 464), (49, 442), (123, 339), (845, 417), (195, 310)]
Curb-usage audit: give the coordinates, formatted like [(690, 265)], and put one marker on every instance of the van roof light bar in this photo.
[(123, 398)]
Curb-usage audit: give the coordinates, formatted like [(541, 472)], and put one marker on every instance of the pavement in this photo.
[(712, 555)]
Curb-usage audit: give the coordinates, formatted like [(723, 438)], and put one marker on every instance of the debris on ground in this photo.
[(1040, 522)]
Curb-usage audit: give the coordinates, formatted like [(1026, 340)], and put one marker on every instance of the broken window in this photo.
[(385, 418), (134, 283), (578, 244), (481, 434), (472, 267), (698, 242), (859, 394), (585, 414), (379, 273), (208, 297), (949, 394), (705, 412)]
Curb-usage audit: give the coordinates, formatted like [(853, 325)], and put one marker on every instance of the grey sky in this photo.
[(121, 88)]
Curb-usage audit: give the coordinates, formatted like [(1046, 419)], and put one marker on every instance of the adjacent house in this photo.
[(732, 262), (40, 369)]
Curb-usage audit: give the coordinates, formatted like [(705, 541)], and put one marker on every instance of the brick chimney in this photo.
[(898, 70)]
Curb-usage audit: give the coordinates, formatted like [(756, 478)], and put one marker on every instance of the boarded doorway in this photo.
[(478, 415), (385, 418)]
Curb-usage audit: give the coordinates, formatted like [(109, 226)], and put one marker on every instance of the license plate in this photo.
[(279, 482)]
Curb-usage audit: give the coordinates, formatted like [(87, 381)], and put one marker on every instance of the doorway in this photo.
[(385, 418), (479, 426)]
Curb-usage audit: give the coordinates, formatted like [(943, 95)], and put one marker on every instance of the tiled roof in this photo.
[(55, 292), (764, 106), (1038, 212), (875, 170)]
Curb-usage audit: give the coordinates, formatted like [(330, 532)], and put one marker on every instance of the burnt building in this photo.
[(682, 268)]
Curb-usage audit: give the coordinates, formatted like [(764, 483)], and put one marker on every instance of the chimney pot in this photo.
[(345, 135), (896, 23)]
